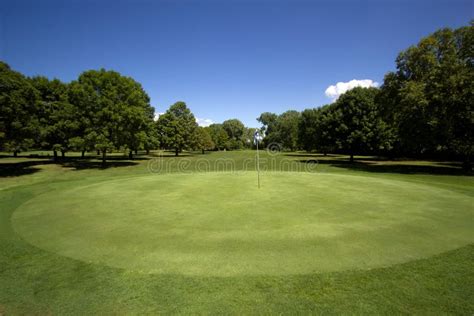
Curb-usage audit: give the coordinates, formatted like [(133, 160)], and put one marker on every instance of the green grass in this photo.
[(327, 237)]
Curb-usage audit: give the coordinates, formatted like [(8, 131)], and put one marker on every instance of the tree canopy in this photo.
[(235, 131), (118, 110), (18, 111), (177, 128), (428, 100), (219, 136), (203, 140)]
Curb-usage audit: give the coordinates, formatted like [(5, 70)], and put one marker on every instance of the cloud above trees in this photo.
[(157, 115), (334, 91), (204, 122)]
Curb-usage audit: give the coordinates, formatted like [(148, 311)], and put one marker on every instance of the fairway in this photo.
[(220, 224)]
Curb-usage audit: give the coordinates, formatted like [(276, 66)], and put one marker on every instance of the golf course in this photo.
[(236, 157), (137, 239)]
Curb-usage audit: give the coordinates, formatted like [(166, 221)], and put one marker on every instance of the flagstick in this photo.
[(258, 167)]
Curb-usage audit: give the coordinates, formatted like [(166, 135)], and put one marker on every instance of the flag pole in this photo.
[(258, 160)]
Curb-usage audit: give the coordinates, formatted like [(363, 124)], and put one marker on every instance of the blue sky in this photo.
[(225, 59)]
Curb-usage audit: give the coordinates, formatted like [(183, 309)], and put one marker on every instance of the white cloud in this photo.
[(157, 115), (201, 121), (204, 122), (334, 91)]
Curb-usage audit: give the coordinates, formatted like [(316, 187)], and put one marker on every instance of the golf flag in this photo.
[(256, 137)]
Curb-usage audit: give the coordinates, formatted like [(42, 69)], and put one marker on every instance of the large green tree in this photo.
[(58, 118), (428, 100), (139, 131), (314, 130), (219, 136), (281, 129), (203, 140), (151, 140), (83, 97), (117, 111), (268, 120), (355, 124), (19, 127), (287, 129), (235, 131), (177, 128)]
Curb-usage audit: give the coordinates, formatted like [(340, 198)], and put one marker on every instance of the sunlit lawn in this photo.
[(195, 234)]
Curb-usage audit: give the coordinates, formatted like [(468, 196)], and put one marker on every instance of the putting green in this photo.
[(220, 224)]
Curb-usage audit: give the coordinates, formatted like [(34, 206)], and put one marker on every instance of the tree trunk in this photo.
[(352, 158), (104, 154), (15, 153), (83, 153), (63, 154), (130, 155), (325, 154), (98, 152), (136, 151), (148, 151), (55, 154), (203, 151), (176, 152)]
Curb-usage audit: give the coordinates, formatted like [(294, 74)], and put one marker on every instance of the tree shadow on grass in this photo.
[(342, 158), (19, 169), (390, 166), (170, 154), (87, 164), (16, 169)]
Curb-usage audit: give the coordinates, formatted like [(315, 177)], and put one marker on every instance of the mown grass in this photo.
[(35, 281)]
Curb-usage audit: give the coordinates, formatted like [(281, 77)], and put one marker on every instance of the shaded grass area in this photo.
[(395, 167), (15, 169), (34, 281), (239, 160), (383, 165)]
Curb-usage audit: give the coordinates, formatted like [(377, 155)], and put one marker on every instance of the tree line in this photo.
[(423, 109), (101, 111), (177, 130)]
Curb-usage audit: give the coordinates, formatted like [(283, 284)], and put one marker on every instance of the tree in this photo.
[(19, 127), (235, 131), (116, 111), (59, 120), (268, 121), (354, 122), (459, 93), (281, 129), (428, 99), (308, 125), (139, 132), (83, 96), (151, 140), (247, 137), (176, 128), (203, 140), (313, 130), (219, 136), (287, 130)]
